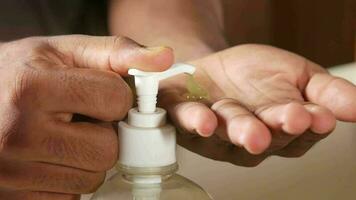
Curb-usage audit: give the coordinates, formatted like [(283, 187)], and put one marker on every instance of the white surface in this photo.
[(347, 71), (326, 172)]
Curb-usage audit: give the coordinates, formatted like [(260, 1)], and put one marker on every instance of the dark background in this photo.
[(321, 30)]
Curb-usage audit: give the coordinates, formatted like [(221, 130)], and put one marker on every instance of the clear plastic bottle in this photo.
[(150, 184), (147, 160)]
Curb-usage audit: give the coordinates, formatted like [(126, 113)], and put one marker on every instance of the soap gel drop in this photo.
[(147, 161)]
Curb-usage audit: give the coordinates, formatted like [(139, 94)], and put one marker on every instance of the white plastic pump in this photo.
[(147, 84), (146, 140), (147, 162)]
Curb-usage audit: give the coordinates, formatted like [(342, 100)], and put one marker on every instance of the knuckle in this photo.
[(17, 136), (22, 47), (111, 158), (86, 183), (99, 156), (99, 160), (41, 180), (14, 195), (67, 181), (23, 91), (97, 180), (125, 98), (76, 88), (72, 151), (11, 134), (119, 95), (79, 183), (107, 156), (121, 48), (4, 144), (123, 42), (57, 147), (108, 95)]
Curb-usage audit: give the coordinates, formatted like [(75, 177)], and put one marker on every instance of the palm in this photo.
[(255, 80), (262, 98)]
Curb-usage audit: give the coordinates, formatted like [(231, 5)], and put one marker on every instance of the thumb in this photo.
[(334, 93), (114, 53)]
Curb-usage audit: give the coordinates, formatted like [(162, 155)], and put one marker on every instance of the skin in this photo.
[(263, 100), (279, 108), (258, 93), (46, 151)]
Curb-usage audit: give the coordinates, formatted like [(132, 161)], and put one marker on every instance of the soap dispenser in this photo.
[(147, 162)]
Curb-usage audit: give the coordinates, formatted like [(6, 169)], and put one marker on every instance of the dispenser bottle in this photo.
[(147, 160)]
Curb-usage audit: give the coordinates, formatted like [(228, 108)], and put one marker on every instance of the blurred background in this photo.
[(321, 30), (324, 32)]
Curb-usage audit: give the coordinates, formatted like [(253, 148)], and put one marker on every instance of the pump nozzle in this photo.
[(147, 84)]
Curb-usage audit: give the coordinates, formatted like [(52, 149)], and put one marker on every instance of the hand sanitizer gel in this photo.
[(147, 158)]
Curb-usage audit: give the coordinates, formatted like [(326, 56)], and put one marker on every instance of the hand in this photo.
[(44, 81), (264, 100)]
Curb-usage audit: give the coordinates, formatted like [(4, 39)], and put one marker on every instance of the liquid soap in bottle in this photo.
[(147, 160)]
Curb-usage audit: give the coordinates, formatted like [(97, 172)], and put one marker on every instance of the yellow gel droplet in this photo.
[(195, 91)]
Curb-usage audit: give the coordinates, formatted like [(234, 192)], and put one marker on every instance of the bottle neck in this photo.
[(146, 182), (147, 175)]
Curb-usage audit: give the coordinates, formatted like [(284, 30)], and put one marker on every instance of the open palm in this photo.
[(262, 99)]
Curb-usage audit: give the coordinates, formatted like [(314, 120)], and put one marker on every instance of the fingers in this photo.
[(323, 120), (196, 117), (242, 127), (336, 94), (191, 116), (292, 118), (111, 53), (291, 121), (26, 195), (80, 145), (215, 148), (98, 94), (34, 176), (323, 123)]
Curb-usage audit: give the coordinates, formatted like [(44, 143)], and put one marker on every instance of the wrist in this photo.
[(194, 34), (191, 50)]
